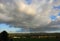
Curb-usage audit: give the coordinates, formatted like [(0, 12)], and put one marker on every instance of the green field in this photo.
[(35, 39)]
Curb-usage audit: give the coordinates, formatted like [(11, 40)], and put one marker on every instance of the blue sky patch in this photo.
[(7, 28), (53, 17), (28, 2)]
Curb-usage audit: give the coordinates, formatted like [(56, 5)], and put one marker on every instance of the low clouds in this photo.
[(35, 15)]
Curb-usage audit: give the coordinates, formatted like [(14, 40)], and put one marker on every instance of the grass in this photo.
[(33, 39)]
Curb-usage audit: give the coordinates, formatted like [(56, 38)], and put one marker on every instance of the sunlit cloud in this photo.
[(29, 14)]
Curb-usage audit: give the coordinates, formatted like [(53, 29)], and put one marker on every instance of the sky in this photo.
[(25, 16)]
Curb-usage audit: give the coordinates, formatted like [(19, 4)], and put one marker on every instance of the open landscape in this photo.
[(29, 20), (35, 37)]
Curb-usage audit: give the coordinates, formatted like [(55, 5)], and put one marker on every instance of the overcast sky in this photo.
[(30, 15)]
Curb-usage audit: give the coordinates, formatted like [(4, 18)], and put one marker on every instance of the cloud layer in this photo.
[(33, 16)]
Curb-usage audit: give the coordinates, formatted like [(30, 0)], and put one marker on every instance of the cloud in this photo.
[(19, 14)]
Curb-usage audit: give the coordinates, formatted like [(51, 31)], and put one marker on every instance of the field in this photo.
[(35, 39)]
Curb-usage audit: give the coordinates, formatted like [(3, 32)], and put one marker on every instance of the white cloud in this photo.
[(28, 16)]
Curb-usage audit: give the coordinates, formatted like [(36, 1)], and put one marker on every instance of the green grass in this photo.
[(32, 39)]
